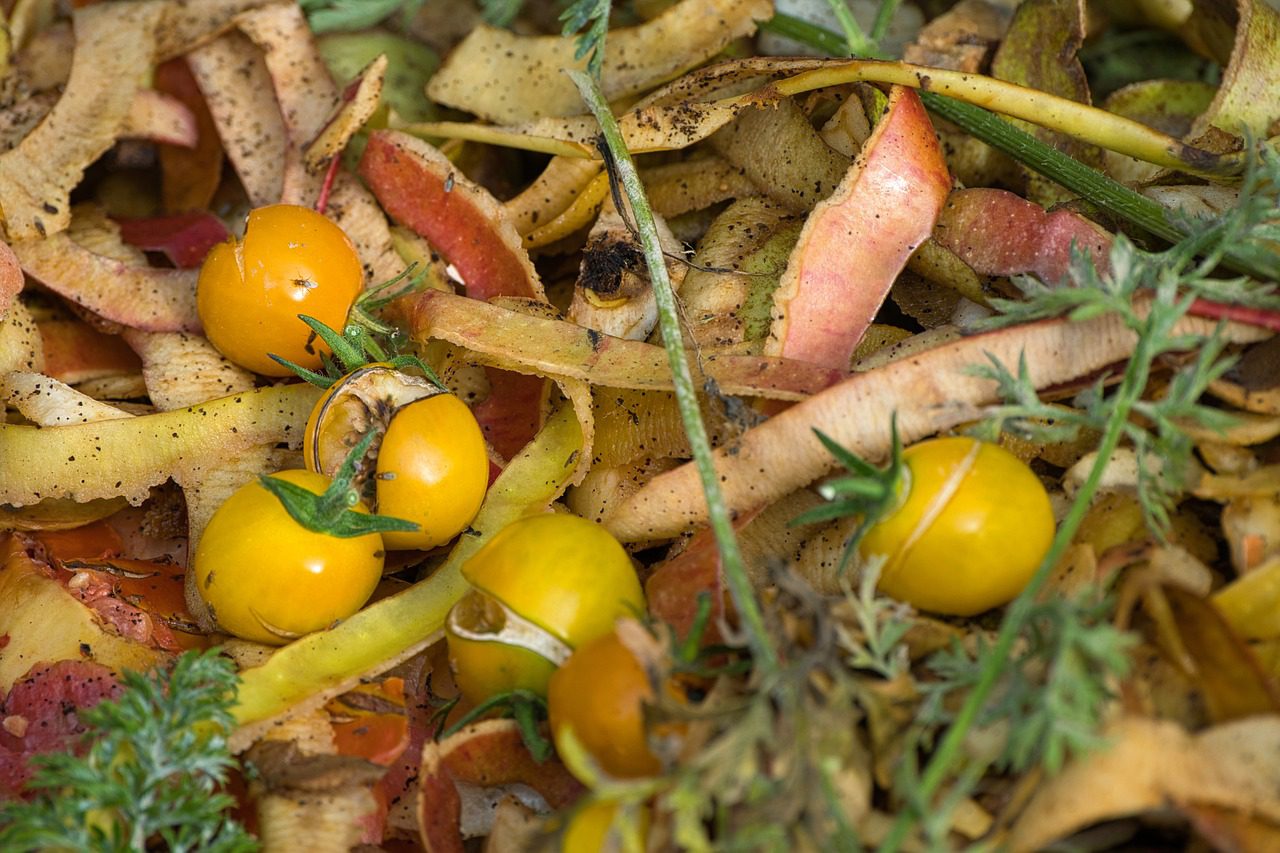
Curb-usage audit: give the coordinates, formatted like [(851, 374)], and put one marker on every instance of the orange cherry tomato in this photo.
[(600, 694), (291, 261)]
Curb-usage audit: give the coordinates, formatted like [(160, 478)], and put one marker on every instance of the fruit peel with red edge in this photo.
[(856, 242)]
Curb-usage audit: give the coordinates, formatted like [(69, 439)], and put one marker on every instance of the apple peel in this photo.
[(233, 77), (855, 243), (508, 78), (183, 238), (113, 54), (489, 753), (421, 189), (160, 118), (998, 233), (356, 105), (131, 294), (556, 348)]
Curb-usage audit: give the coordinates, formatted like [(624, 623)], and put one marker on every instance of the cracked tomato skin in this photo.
[(973, 525), (269, 579), (291, 261), (565, 575)]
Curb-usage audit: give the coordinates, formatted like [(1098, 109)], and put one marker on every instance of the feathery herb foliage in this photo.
[(156, 761)]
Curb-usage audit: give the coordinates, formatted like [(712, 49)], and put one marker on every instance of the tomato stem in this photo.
[(332, 511), (623, 172)]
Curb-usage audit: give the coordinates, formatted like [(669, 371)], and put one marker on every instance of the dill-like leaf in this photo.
[(157, 758), (1052, 692), (590, 19)]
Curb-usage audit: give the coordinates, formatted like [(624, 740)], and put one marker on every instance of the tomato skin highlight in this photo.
[(600, 693), (291, 261), (268, 578), (432, 469), (563, 574), (972, 528)]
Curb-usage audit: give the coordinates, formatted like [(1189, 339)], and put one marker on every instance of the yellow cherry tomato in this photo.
[(291, 261), (591, 829), (973, 525), (269, 579), (432, 467), (600, 694), (543, 586)]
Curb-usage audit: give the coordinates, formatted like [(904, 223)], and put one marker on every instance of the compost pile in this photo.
[(661, 425)]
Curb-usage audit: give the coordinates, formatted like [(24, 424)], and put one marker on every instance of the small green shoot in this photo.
[(868, 492), (332, 513)]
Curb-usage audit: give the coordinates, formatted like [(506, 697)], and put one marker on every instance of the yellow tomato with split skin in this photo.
[(267, 578), (543, 586), (291, 261), (431, 465), (972, 526)]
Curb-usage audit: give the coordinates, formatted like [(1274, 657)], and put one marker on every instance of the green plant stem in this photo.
[(1089, 184), (948, 752), (856, 41), (735, 574), (884, 17)]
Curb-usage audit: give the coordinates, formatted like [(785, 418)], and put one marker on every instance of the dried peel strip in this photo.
[(128, 457), (929, 392), (113, 56), (556, 348), (45, 401), (504, 77), (236, 85), (358, 102)]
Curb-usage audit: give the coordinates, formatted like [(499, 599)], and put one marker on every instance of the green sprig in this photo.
[(153, 774), (868, 492), (331, 513), (527, 708)]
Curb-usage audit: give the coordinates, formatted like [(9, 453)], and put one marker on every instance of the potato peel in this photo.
[(507, 78), (127, 457)]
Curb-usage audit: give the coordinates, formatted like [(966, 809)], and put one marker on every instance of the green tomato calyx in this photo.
[(332, 513), (867, 491)]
